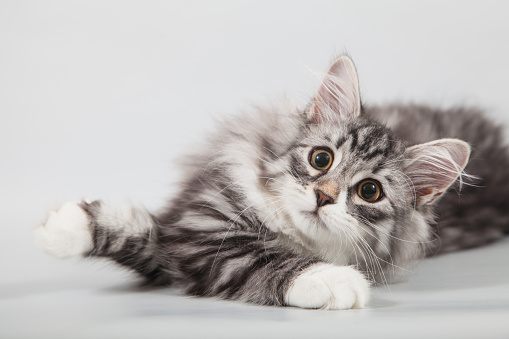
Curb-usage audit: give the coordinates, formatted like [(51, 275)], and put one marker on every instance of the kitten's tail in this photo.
[(124, 234)]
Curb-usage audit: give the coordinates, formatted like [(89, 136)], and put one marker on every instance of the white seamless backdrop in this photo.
[(99, 98)]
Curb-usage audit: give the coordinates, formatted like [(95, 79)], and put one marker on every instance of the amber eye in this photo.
[(369, 190), (321, 159)]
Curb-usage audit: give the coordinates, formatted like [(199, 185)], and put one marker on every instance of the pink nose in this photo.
[(322, 199)]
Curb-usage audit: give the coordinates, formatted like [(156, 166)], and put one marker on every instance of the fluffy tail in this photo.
[(124, 234)]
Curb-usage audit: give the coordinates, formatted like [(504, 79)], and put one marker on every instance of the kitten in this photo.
[(304, 207)]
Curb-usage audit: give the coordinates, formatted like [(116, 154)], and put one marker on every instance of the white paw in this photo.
[(328, 286), (66, 233)]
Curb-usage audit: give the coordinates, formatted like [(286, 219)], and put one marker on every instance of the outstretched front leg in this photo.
[(125, 234), (241, 265)]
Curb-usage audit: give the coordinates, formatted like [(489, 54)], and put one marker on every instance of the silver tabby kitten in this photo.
[(304, 207)]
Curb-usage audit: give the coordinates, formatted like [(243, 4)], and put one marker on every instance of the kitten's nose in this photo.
[(322, 199)]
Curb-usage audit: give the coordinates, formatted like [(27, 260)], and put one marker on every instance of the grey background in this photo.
[(97, 99)]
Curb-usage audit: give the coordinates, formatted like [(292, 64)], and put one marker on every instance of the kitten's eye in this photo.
[(321, 158), (369, 190)]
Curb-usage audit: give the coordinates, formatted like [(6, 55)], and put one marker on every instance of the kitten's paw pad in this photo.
[(327, 286), (66, 233)]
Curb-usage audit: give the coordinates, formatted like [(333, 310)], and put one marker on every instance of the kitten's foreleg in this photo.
[(124, 234), (329, 287), (66, 232), (242, 265)]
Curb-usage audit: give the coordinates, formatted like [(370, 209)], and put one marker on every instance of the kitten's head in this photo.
[(351, 186)]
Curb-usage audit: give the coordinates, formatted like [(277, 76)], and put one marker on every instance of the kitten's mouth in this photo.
[(313, 213), (314, 216)]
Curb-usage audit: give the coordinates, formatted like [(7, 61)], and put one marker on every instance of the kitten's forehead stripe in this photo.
[(354, 136), (340, 142), (374, 153), (370, 142), (370, 138), (379, 167)]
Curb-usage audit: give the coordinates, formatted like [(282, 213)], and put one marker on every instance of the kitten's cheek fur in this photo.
[(328, 286), (66, 233)]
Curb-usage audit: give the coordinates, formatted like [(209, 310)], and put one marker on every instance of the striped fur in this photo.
[(246, 224)]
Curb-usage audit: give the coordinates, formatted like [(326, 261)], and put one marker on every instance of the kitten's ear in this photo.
[(434, 166), (339, 92)]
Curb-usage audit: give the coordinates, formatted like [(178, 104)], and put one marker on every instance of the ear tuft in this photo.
[(434, 166), (338, 95)]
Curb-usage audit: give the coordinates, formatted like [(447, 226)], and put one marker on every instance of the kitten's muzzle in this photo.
[(323, 199)]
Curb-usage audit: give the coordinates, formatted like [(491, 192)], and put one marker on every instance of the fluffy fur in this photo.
[(480, 213), (257, 220)]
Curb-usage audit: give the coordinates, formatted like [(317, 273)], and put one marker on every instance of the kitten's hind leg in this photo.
[(124, 234)]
